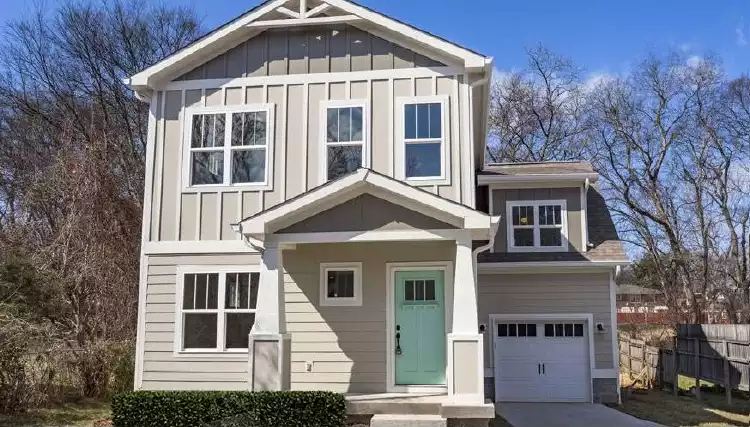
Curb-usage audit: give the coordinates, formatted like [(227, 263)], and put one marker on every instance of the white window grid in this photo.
[(220, 311), (325, 105), (536, 226), (227, 149), (445, 164), (356, 268)]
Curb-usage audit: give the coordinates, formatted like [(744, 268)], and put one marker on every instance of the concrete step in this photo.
[(407, 420), (396, 406)]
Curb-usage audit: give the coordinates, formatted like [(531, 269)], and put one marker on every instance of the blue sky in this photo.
[(603, 36)]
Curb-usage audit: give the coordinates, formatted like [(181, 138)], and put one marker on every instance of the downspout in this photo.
[(585, 213), (494, 225), (250, 241)]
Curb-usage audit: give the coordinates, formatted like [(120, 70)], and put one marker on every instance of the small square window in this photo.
[(512, 330), (549, 330), (578, 330), (522, 330), (568, 329), (341, 284), (559, 330), (502, 330), (531, 330)]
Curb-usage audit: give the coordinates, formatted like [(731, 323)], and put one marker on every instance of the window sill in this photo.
[(341, 303), (427, 181), (208, 354), (216, 188)]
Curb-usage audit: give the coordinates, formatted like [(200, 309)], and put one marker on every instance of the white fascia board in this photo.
[(142, 78), (471, 60), (553, 265), (572, 177)]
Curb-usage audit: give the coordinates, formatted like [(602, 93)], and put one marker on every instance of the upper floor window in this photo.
[(425, 153), (345, 145), (537, 226), (230, 146), (217, 311)]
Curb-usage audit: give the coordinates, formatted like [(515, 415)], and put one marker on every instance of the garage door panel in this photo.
[(549, 363)]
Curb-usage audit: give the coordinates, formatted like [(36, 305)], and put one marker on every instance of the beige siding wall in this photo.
[(572, 197), (557, 293), (162, 369), (347, 345), (180, 213), (328, 49)]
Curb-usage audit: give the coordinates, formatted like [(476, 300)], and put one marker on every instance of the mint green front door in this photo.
[(420, 327)]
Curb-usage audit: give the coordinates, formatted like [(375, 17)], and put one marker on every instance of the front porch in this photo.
[(368, 287)]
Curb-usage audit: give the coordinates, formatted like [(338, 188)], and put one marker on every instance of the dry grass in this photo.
[(677, 411), (83, 413)]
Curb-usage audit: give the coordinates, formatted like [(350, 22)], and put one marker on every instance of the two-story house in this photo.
[(318, 216)]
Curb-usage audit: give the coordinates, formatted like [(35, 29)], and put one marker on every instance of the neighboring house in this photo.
[(313, 218), (637, 299)]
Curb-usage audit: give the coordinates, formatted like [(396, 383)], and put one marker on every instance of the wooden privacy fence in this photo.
[(716, 353)]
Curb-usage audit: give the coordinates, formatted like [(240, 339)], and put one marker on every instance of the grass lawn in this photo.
[(83, 413), (676, 411)]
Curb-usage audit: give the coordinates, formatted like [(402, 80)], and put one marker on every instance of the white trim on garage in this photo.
[(587, 317)]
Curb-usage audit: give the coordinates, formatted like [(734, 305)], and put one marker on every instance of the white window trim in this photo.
[(323, 132), (536, 226), (445, 159), (222, 270), (227, 185), (356, 301)]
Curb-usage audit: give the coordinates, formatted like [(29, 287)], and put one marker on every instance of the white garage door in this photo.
[(542, 361)]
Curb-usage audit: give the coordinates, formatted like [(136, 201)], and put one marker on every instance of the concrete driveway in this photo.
[(566, 415)]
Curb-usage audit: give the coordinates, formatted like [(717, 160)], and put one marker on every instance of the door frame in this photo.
[(586, 317), (391, 268)]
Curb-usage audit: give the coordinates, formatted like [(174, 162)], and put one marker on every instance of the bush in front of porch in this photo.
[(228, 409)]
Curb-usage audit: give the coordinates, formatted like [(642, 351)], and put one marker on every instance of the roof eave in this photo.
[(568, 177)]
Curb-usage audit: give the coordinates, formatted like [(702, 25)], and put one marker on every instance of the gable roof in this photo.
[(363, 181), (250, 24)]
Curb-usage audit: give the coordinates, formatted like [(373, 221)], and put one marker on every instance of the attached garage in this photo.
[(542, 358)]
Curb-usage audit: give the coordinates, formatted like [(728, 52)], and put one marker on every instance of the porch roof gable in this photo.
[(348, 187)]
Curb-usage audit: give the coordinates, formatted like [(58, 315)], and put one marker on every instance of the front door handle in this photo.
[(398, 340), (543, 373), (539, 368)]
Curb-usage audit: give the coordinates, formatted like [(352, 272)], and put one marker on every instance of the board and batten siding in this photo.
[(572, 197), (558, 293), (346, 345), (162, 369), (183, 213), (322, 49)]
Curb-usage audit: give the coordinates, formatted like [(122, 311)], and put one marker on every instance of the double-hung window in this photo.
[(537, 226), (230, 146), (425, 139), (216, 310), (344, 138)]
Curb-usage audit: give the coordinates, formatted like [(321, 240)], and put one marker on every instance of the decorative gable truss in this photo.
[(300, 13)]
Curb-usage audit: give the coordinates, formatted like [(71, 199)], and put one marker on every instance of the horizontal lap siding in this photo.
[(549, 294), (162, 370), (347, 345)]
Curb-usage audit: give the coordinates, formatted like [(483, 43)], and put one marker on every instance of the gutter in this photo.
[(494, 225), (494, 179)]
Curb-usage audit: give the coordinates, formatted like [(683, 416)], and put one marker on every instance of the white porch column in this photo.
[(465, 343), (269, 350)]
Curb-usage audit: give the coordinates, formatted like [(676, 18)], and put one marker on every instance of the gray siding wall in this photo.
[(329, 49), (346, 345), (572, 196), (195, 213), (162, 369), (557, 293)]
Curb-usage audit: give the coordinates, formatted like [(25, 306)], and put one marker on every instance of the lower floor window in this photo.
[(218, 310)]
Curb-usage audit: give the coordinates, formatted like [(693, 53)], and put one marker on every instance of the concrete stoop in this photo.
[(407, 420)]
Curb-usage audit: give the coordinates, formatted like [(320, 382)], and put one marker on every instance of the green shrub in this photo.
[(218, 408)]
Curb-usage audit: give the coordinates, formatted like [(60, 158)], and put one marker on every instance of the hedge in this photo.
[(228, 409)]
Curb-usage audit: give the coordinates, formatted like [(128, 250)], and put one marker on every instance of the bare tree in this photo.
[(662, 144), (538, 113), (72, 148)]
